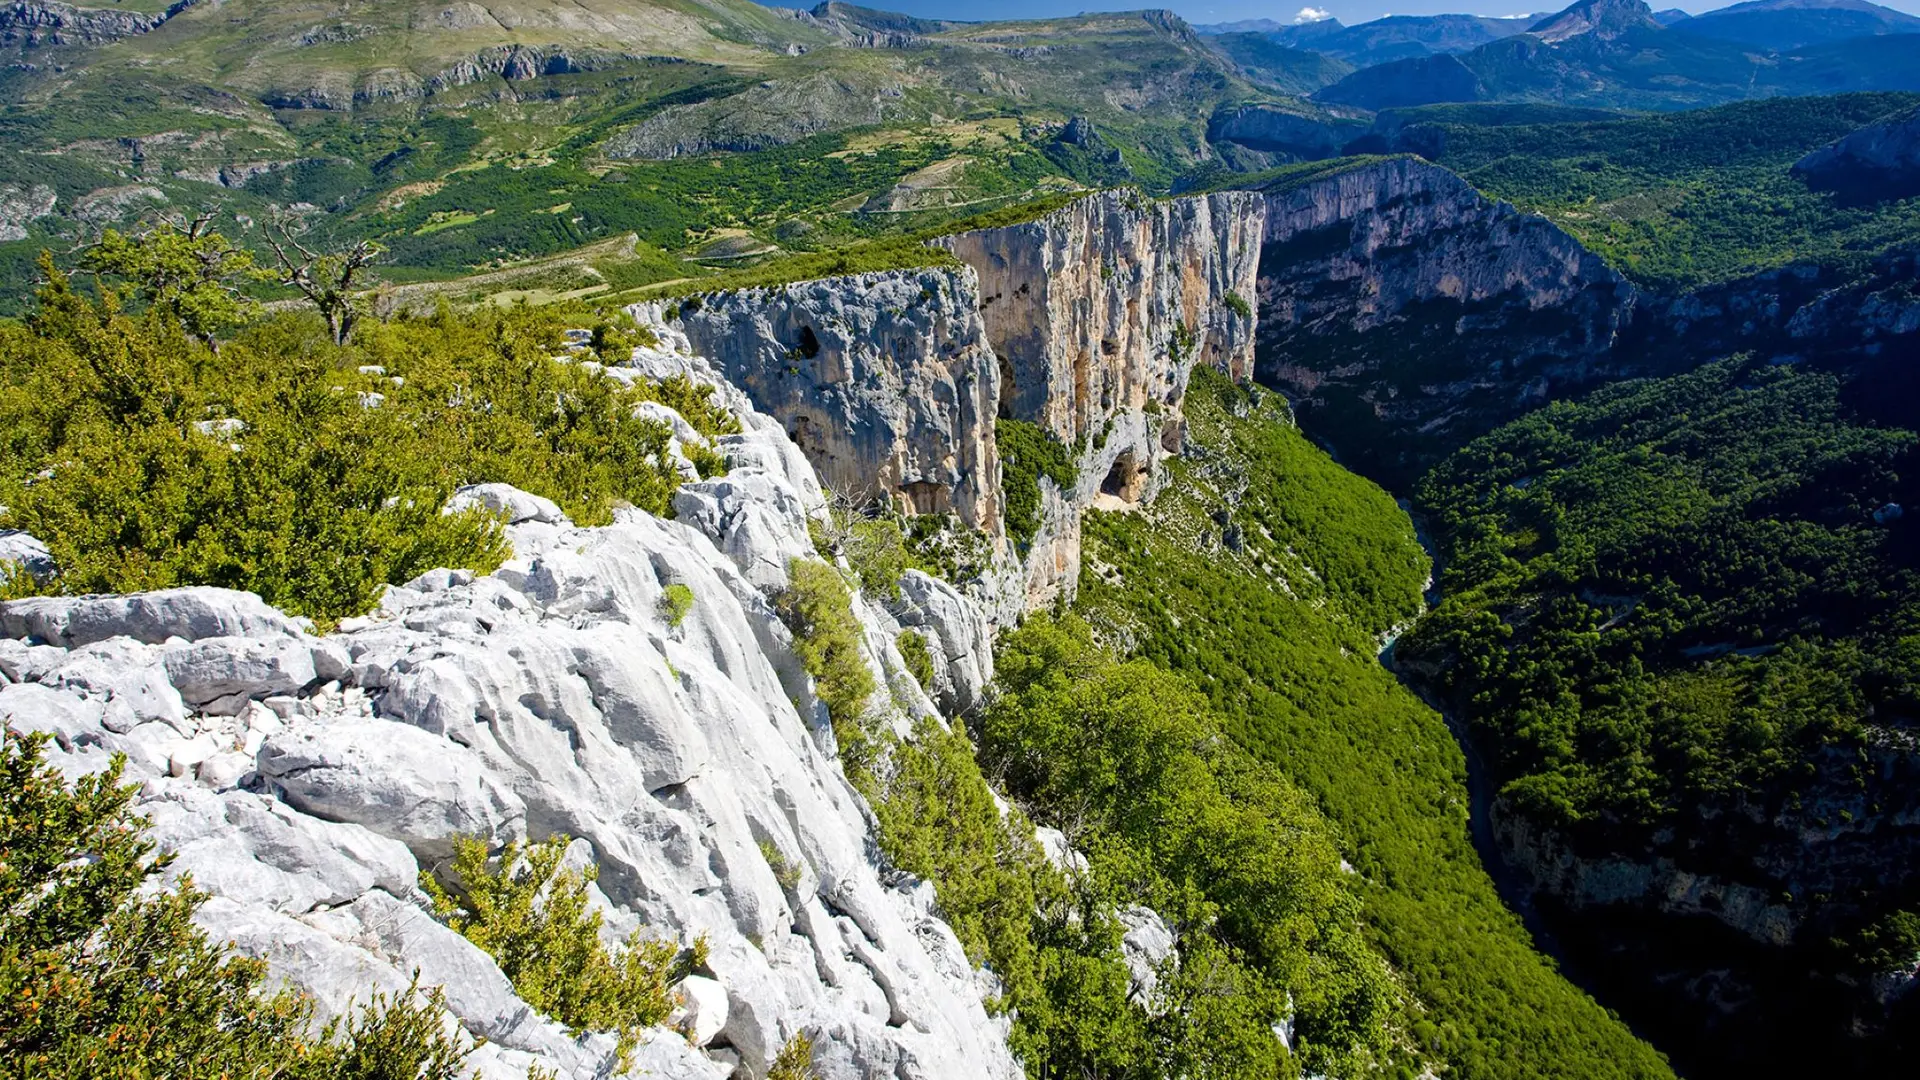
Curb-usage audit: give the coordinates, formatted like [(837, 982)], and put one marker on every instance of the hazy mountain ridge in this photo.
[(1616, 54)]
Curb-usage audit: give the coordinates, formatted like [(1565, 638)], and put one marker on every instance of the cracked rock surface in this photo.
[(305, 781)]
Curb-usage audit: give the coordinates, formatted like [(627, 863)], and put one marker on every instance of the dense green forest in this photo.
[(1276, 616), (1680, 622), (1676, 200), (1674, 591)]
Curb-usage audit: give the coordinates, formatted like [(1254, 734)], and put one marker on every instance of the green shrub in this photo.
[(1238, 305), (913, 649), (947, 548), (1889, 946), (818, 607), (675, 602), (303, 490), (795, 1060), (531, 916), (104, 975), (785, 872), (1027, 453), (876, 549)]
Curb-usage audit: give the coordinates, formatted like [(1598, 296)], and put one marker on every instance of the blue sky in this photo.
[(1209, 11)]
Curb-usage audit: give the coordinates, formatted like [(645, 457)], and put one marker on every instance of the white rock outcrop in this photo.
[(306, 781)]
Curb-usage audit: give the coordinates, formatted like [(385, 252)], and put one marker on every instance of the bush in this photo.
[(818, 607), (786, 872), (531, 916), (872, 540), (1027, 453), (1238, 305), (947, 548), (144, 461), (676, 602), (795, 1060), (876, 549), (913, 649), (103, 974)]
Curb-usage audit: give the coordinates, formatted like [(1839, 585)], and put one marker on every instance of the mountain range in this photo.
[(1609, 53), (1616, 54)]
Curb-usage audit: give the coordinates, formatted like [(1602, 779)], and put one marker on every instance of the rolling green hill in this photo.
[(466, 138)]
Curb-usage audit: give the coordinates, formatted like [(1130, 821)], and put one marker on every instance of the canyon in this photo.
[(306, 780)]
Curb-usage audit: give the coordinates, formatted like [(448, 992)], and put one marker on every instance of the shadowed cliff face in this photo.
[(1404, 313), (885, 380)]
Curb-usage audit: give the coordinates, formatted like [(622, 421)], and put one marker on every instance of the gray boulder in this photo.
[(226, 667), (505, 501), (396, 780), (28, 553), (153, 617)]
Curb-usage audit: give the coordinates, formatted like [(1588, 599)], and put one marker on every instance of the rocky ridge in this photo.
[(41, 23), (1880, 161), (306, 780)]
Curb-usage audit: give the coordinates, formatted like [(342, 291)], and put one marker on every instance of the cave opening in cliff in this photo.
[(1008, 388), (809, 346), (1126, 480)]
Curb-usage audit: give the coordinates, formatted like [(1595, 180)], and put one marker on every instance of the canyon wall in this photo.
[(886, 381), (1085, 322), (1400, 309)]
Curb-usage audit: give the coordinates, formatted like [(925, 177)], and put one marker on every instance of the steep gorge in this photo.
[(1404, 315), (1396, 306)]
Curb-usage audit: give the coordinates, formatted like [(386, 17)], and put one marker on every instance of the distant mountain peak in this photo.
[(1602, 18), (1803, 5)]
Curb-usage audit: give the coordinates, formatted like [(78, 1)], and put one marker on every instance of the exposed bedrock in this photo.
[(306, 781), (886, 380), (1398, 304)]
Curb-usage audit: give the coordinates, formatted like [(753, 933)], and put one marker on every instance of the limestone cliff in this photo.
[(41, 23), (886, 381), (1085, 322), (1398, 304), (1103, 307), (1880, 161)]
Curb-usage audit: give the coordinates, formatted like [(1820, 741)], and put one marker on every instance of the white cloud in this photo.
[(1311, 15)]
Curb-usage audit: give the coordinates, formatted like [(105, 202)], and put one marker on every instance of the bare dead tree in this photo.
[(180, 266), (326, 279)]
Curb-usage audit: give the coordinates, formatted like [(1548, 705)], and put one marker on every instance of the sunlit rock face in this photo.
[(307, 781)]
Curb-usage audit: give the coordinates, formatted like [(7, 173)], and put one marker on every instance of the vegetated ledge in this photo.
[(912, 251), (920, 250)]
